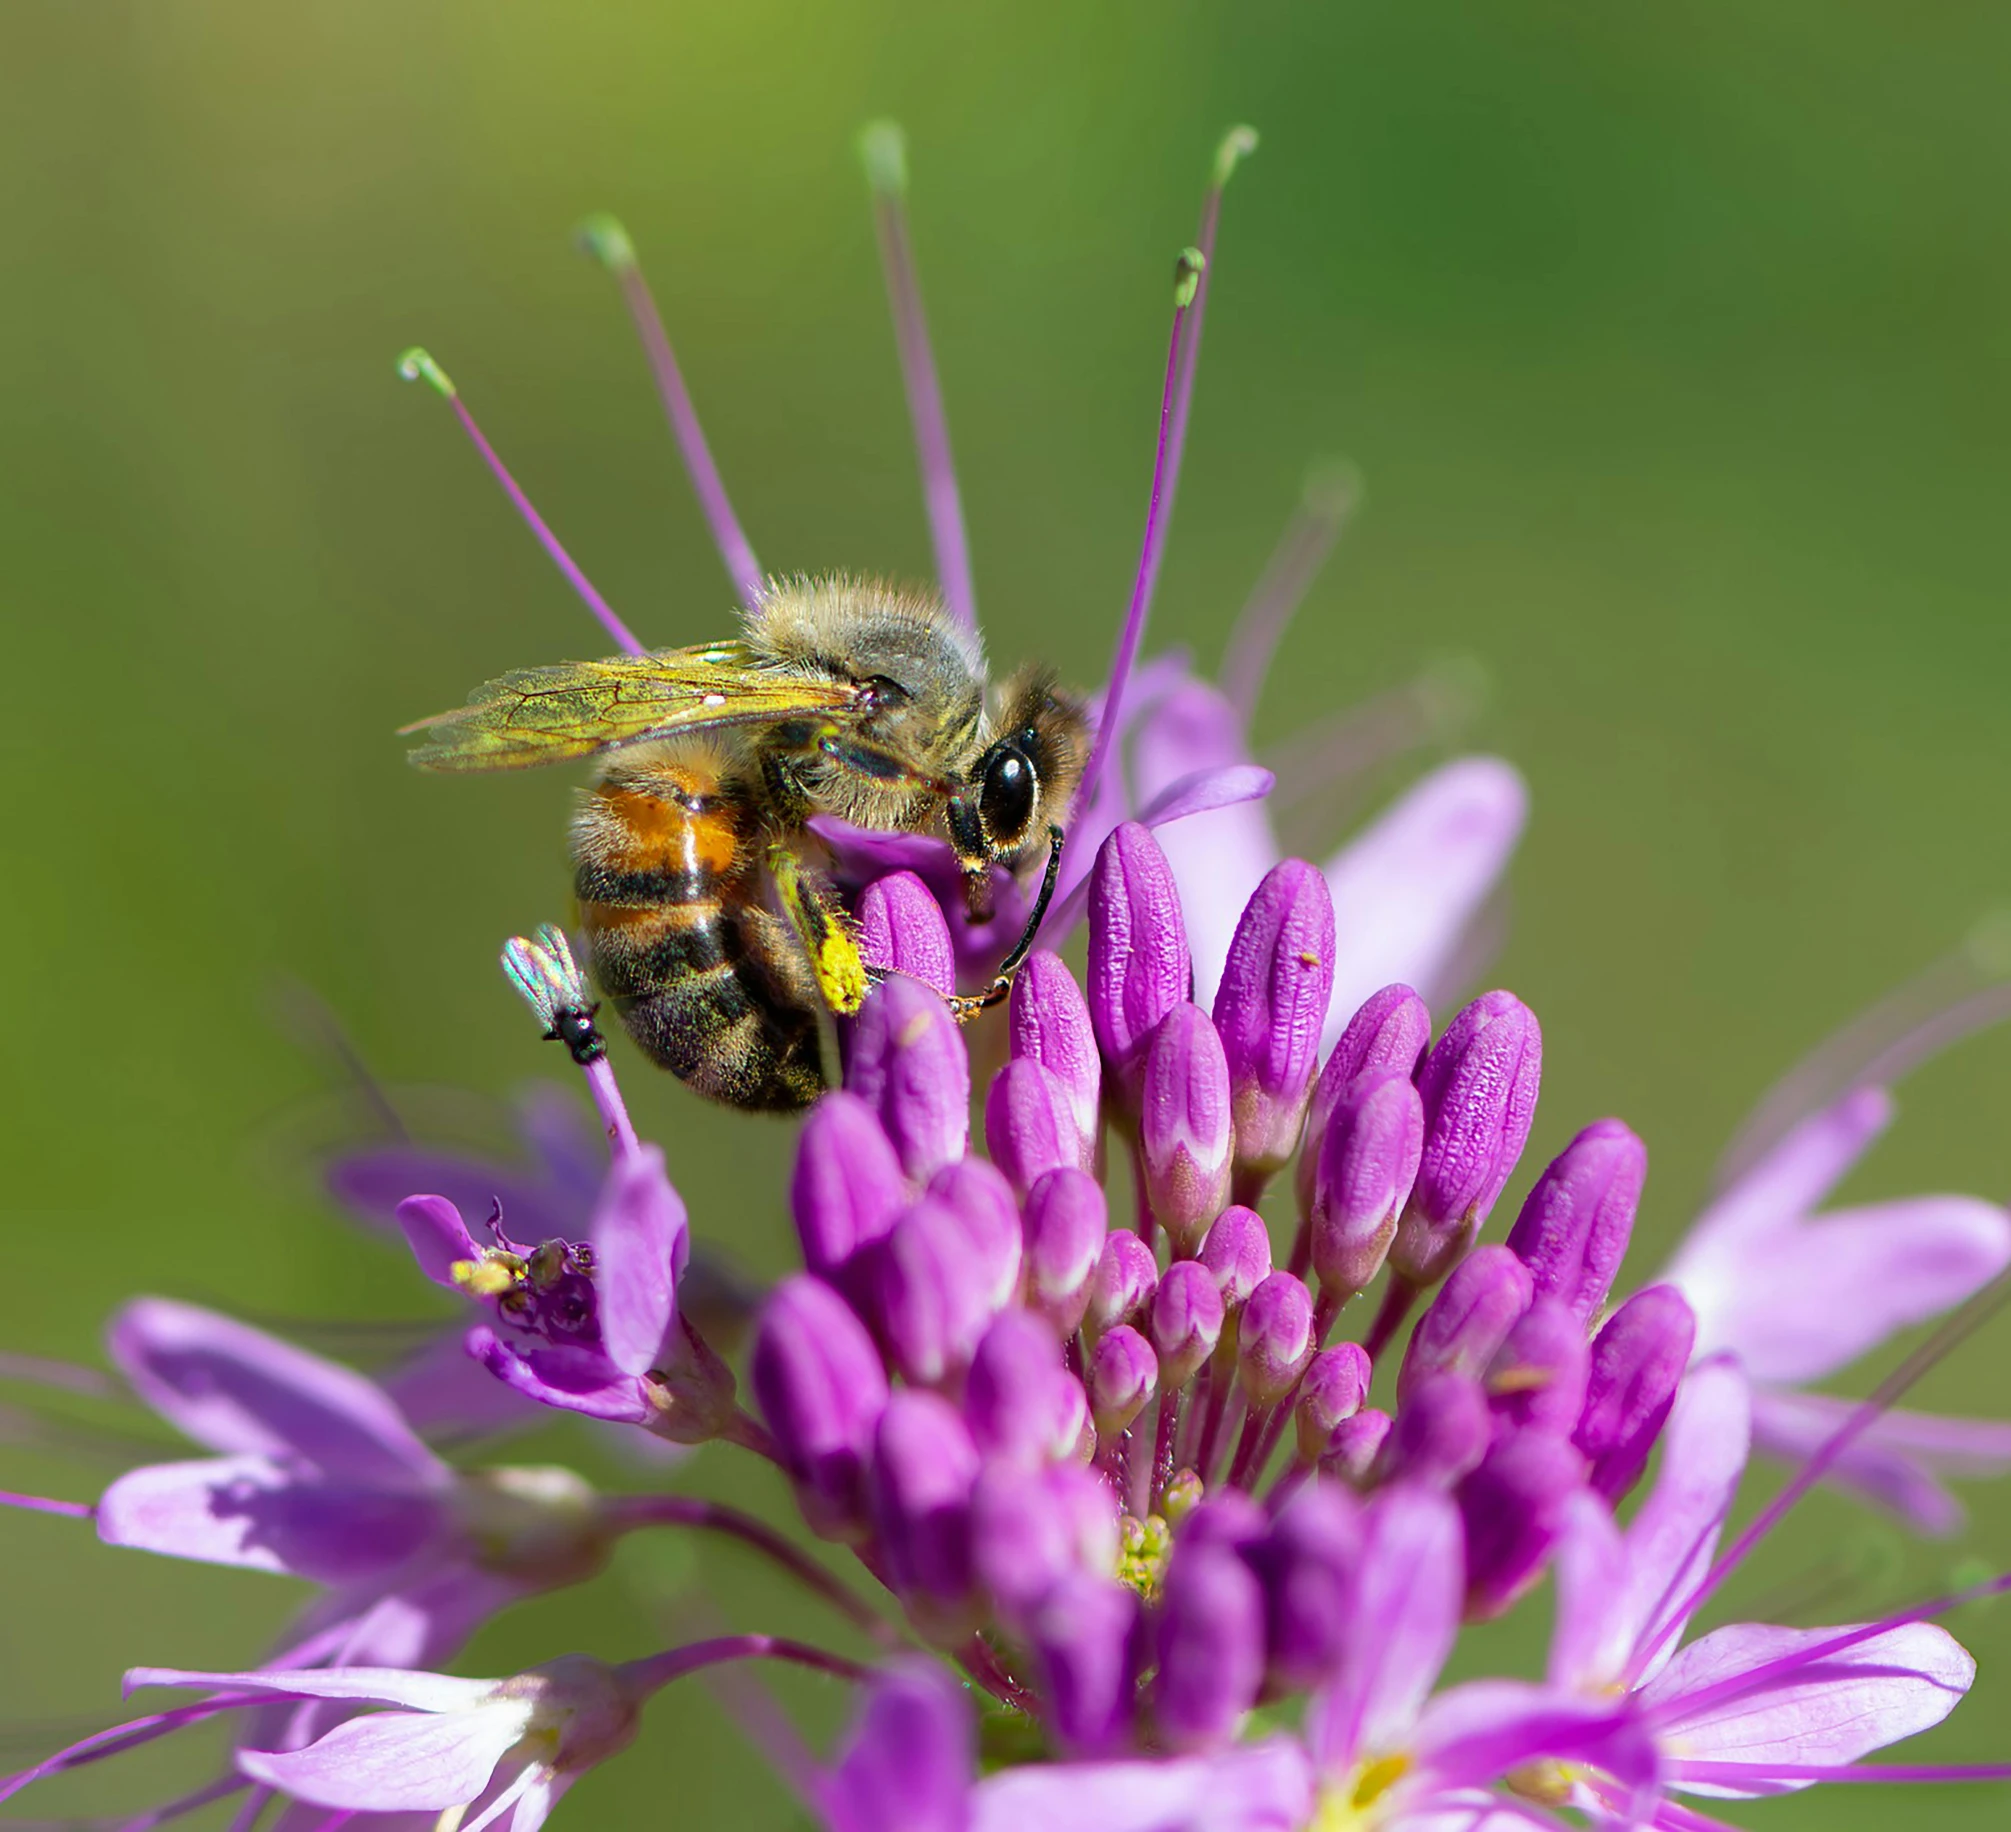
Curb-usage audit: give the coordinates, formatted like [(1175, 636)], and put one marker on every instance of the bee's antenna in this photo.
[(969, 1007), (416, 366), (1190, 297), (607, 241), (883, 149)]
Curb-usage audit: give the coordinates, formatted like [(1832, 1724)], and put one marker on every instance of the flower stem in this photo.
[(716, 1517), (656, 1671)]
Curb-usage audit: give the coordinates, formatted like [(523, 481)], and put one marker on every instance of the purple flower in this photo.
[(1185, 1139), (1799, 1294), (909, 1066), (1138, 965), (1030, 1124), (902, 930), (1367, 1157), (1051, 1026)]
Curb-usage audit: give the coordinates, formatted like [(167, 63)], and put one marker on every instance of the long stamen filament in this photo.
[(1328, 503), (884, 152), (608, 242), (416, 366)]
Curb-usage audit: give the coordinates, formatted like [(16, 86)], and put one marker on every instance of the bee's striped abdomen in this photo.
[(664, 856)]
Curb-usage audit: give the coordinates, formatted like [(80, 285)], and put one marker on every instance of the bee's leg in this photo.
[(877, 765), (966, 1006), (841, 974)]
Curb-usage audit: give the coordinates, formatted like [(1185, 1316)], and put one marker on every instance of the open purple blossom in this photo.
[(1799, 1292)]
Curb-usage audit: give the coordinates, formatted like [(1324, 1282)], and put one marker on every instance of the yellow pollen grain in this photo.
[(487, 1278), (1307, 958)]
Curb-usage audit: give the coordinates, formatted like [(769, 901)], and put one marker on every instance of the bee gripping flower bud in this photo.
[(1238, 1252), (1049, 1023), (821, 1387), (1468, 1320), (1270, 1007), (1479, 1086), (1638, 1360), (1513, 1507), (909, 1065), (1441, 1431), (1389, 1032), (902, 929), (1126, 1277), (1139, 968), (1211, 1646), (847, 1185), (1030, 1124), (1185, 1137), (1537, 1379), (1187, 1315), (1275, 1339), (923, 1469), (1020, 1402), (1574, 1227), (931, 1294), (1335, 1385), (1123, 1374), (1063, 1227), (1367, 1163)]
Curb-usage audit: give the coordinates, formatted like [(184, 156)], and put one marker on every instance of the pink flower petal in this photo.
[(1832, 1710), (395, 1761), (1474, 1734), (1795, 1174), (1405, 1598), (427, 1692), (1266, 1787), (641, 1243), (1407, 886), (234, 1388), (910, 1761)]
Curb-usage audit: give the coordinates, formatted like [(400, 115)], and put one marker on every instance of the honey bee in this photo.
[(711, 922)]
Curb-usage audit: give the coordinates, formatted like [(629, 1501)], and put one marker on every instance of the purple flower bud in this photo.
[(1271, 1007), (1368, 1160), (1211, 1647), (1336, 1383), (1138, 963), (1637, 1362), (847, 1185), (1049, 1021), (1123, 1375), (902, 929), (1020, 1402), (1126, 1277), (983, 1202), (1029, 1124), (1184, 1135), (1276, 1338), (1537, 1379), (1187, 1319), (1479, 1086), (1063, 1229), (1238, 1252), (1514, 1506), (924, 1467), (818, 1381), (1030, 1529), (1468, 1320), (1088, 1642), (909, 1065), (1356, 1448), (1573, 1230), (1305, 1567), (1441, 1431), (1229, 1518), (1389, 1032), (930, 1293)]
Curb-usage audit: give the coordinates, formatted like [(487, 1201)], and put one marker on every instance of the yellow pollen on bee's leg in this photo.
[(489, 1277)]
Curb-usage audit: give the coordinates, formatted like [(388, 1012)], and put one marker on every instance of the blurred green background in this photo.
[(1672, 346)]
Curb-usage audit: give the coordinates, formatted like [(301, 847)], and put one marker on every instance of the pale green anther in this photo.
[(1333, 489), (1237, 145), (603, 237), (1187, 271), (416, 366), (883, 148)]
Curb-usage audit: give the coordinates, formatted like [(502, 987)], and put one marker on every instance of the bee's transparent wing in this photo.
[(548, 715)]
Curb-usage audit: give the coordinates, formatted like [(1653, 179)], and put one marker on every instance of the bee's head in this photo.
[(1021, 785)]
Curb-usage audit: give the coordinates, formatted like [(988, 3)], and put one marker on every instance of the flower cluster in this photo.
[(1157, 1528)]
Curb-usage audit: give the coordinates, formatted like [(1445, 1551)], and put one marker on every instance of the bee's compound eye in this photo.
[(1006, 797)]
